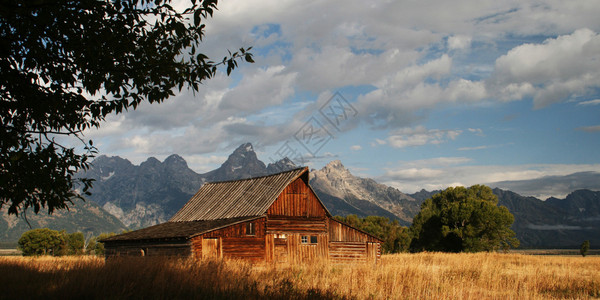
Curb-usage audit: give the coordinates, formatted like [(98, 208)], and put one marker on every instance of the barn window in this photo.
[(304, 239), (313, 239), (250, 230)]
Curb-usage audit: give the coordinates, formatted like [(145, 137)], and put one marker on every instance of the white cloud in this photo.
[(263, 88), (413, 174), (476, 131), (473, 148), (437, 162), (551, 71), (204, 163), (356, 147), (459, 42), (590, 102), (419, 136)]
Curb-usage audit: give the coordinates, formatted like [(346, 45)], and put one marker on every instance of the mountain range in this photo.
[(144, 195), (87, 217)]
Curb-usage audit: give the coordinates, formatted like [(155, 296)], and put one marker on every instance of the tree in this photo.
[(96, 246), (41, 241), (75, 243), (585, 246), (463, 219), (65, 65)]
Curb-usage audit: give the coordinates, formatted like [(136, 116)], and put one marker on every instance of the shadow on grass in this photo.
[(145, 278)]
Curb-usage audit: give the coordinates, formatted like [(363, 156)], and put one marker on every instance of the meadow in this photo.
[(398, 276)]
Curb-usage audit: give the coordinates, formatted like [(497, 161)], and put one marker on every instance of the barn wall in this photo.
[(286, 234), (232, 242), (239, 230), (339, 232), (343, 252), (348, 244), (297, 200), (180, 248), (283, 225), (245, 248), (299, 252)]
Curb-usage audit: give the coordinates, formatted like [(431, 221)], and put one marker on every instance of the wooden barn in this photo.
[(276, 218)]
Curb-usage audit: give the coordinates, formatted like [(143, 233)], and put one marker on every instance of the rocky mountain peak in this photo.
[(151, 162), (243, 149), (335, 164), (282, 165), (175, 160), (335, 180), (335, 169), (103, 167), (242, 163)]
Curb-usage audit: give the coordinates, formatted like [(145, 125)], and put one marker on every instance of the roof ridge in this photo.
[(243, 197), (257, 177)]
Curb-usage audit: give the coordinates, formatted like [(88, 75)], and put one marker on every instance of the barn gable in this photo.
[(298, 200)]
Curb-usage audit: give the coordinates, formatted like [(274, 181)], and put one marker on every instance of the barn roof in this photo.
[(220, 204), (237, 198), (176, 230)]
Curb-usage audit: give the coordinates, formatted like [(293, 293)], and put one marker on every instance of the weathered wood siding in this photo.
[(282, 225), (339, 232), (211, 248), (232, 242), (297, 200), (245, 248), (239, 230), (180, 248), (345, 252), (373, 252), (348, 244), (287, 235), (297, 213), (299, 252)]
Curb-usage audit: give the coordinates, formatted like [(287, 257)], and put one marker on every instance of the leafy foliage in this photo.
[(396, 238), (45, 241), (75, 243), (66, 65), (585, 247), (97, 247), (463, 219), (41, 241)]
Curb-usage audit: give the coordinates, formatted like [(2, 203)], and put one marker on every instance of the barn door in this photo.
[(211, 248), (372, 252)]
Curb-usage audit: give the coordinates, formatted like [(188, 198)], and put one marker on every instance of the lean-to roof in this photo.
[(176, 230)]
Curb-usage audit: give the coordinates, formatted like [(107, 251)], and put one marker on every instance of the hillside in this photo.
[(554, 223), (87, 217)]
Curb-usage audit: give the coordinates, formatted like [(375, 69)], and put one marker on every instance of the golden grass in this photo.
[(399, 276)]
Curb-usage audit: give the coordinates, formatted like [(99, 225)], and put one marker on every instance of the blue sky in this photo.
[(435, 93)]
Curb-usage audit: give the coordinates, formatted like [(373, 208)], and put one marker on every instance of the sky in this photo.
[(414, 94)]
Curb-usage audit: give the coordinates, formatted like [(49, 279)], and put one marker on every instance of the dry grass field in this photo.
[(399, 276)]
